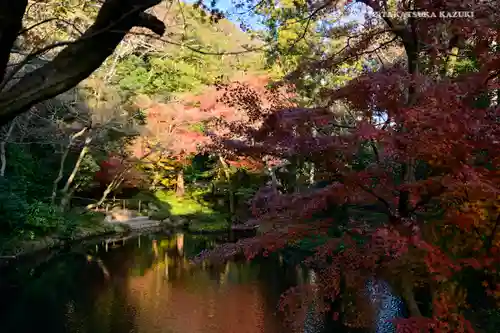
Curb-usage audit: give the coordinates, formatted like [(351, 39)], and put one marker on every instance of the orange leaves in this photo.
[(173, 127), (446, 317), (445, 139), (247, 163)]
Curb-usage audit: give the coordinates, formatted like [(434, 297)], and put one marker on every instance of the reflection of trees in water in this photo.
[(387, 304), (152, 286), (223, 298), (61, 298)]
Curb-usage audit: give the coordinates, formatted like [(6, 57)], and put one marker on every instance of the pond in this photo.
[(147, 285)]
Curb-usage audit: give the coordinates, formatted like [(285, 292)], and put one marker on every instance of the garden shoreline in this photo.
[(26, 249)]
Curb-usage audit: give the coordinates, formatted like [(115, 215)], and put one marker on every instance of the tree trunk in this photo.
[(66, 199), (180, 190), (61, 165), (65, 191), (274, 179), (409, 297), (110, 188), (408, 176), (11, 23), (227, 174), (115, 183), (312, 167), (3, 155)]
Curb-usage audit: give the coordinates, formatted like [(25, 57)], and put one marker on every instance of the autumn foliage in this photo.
[(172, 128), (431, 170), (121, 169), (238, 119)]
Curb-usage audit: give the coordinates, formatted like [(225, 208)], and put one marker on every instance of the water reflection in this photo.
[(147, 285), (388, 306)]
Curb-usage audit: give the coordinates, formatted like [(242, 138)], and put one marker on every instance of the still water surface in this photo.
[(147, 285)]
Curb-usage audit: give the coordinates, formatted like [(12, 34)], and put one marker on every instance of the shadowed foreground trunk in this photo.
[(76, 61), (3, 154)]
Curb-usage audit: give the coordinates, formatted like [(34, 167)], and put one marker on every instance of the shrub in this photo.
[(43, 218)]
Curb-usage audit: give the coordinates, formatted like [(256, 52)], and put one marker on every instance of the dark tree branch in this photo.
[(79, 59), (408, 36), (151, 22), (11, 17), (309, 19)]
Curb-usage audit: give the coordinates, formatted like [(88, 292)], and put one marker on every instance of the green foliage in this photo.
[(27, 184), (26, 189), (13, 207), (31, 170), (80, 219), (186, 205), (192, 206), (86, 172), (294, 37), (42, 218), (466, 65), (491, 319), (311, 243), (171, 69), (198, 127), (209, 225)]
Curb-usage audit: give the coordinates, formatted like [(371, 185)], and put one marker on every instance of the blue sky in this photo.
[(227, 6)]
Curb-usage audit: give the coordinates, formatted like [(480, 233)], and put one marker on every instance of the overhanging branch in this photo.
[(79, 59), (11, 17), (151, 22)]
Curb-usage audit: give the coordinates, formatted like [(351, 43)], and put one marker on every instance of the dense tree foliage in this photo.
[(419, 152), (85, 141)]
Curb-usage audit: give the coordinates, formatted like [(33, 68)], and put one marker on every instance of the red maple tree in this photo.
[(431, 171), (122, 169), (237, 119), (174, 131)]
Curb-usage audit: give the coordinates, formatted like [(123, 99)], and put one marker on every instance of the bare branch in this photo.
[(25, 30), (62, 162), (168, 41), (309, 19)]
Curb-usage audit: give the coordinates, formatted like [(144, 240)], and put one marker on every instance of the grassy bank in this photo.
[(50, 229), (189, 209)]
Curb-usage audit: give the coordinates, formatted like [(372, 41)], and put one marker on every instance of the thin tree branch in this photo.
[(308, 23), (168, 41), (25, 30)]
